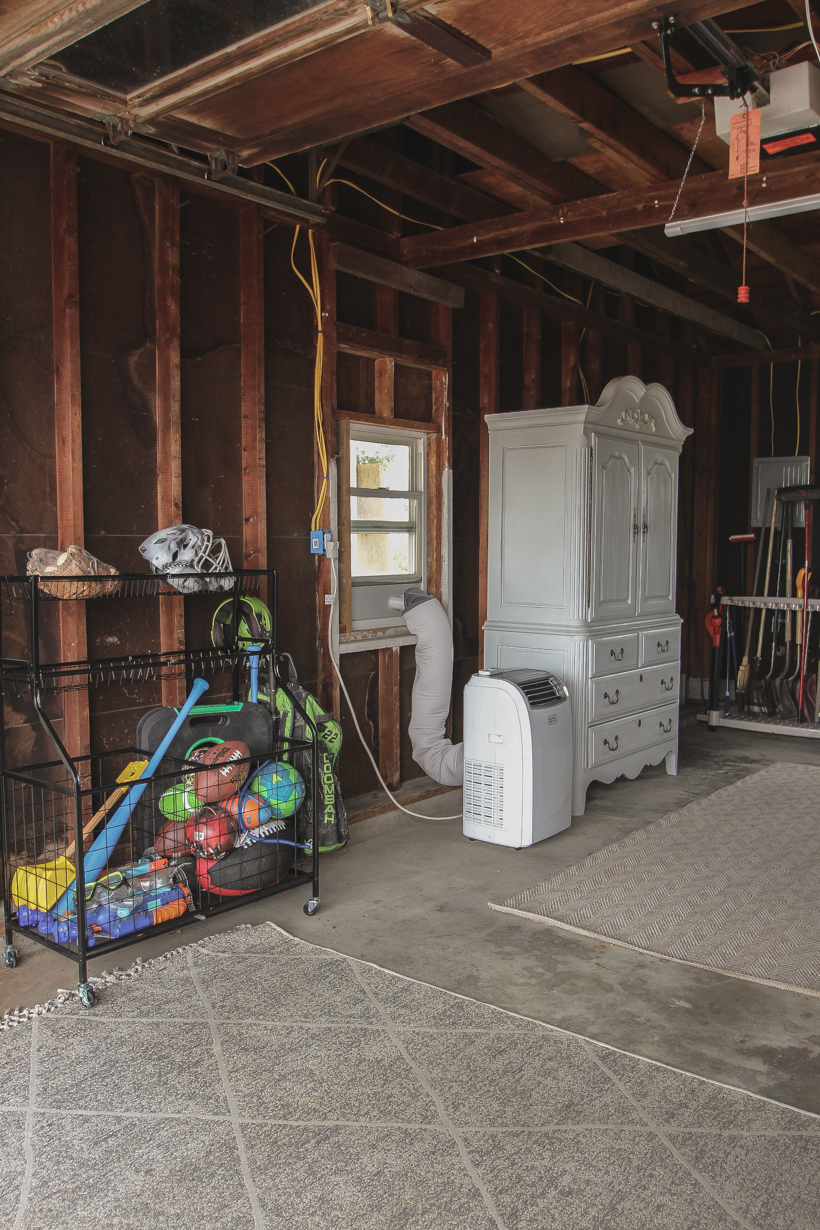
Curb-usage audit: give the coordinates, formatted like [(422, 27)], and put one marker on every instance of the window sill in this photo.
[(374, 638)]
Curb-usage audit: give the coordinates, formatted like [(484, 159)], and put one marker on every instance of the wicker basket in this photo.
[(62, 566)]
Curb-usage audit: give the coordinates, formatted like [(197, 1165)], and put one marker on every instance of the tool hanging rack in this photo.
[(45, 805)]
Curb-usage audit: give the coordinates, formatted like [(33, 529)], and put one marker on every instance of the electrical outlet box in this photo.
[(317, 542)]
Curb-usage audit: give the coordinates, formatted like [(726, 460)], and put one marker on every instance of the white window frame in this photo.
[(369, 595)]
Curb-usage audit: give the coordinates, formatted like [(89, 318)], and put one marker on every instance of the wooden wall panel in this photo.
[(68, 428), (211, 387), (289, 327), (169, 419), (252, 324), (118, 343), (489, 346), (28, 458), (707, 462)]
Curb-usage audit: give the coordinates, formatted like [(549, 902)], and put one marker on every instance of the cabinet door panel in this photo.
[(614, 549), (658, 530)]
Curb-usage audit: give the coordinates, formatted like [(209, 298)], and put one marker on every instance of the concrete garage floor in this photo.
[(411, 895)]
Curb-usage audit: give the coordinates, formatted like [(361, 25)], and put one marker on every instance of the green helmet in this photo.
[(255, 623)]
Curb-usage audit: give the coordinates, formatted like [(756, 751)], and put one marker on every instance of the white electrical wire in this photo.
[(811, 29), (418, 815)]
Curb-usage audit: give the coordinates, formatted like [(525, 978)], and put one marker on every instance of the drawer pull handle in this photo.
[(667, 729), (619, 657), (613, 747), (667, 687), (613, 700), (663, 648)]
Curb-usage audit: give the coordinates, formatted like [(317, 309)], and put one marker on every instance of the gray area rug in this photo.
[(731, 883), (256, 1081)]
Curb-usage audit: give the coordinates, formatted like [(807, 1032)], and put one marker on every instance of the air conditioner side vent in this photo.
[(484, 793)]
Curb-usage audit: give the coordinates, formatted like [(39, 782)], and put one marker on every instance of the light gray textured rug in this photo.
[(257, 1082), (731, 883)]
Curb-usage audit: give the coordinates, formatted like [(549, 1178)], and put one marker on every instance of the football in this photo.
[(222, 771), (171, 840), (249, 810), (281, 787), (211, 832)]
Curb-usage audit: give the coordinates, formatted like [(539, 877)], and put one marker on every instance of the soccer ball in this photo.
[(178, 801), (281, 787)]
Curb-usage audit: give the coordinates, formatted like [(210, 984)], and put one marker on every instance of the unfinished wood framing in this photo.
[(531, 397), (327, 681), (252, 324), (707, 465), (570, 382), (389, 716), (169, 424), (487, 404), (68, 425)]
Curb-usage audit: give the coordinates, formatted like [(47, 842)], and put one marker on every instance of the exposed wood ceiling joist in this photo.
[(616, 277), (473, 278), (32, 31), (470, 131), (619, 211), (528, 38), (609, 124)]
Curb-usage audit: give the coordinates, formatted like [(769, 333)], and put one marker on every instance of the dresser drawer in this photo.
[(612, 740), (663, 646), (633, 691), (615, 653)]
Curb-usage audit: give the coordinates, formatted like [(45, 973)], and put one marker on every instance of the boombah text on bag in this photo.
[(332, 817)]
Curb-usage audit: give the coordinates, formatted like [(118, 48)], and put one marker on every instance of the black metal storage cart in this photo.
[(47, 805)]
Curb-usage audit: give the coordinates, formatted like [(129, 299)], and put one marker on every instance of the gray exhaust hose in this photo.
[(426, 620)]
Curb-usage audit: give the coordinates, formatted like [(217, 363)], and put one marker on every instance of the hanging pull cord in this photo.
[(689, 163), (743, 290)]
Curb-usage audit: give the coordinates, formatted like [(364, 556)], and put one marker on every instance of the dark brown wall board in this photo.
[(356, 301), (289, 353), (28, 502), (413, 392), (407, 677), (415, 318), (360, 673), (355, 383), (211, 383), (117, 338), (511, 358), (550, 362)]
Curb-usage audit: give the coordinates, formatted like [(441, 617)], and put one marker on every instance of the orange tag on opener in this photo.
[(744, 143)]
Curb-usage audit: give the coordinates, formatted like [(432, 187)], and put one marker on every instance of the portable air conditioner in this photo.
[(517, 757)]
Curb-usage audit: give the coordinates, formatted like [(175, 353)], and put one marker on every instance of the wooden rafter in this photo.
[(634, 209), (252, 325), (32, 31)]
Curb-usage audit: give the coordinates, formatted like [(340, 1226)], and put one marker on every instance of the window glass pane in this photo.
[(371, 508), (375, 465), (382, 555)]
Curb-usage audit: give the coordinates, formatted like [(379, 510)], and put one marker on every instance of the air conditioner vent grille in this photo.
[(484, 793), (540, 690)]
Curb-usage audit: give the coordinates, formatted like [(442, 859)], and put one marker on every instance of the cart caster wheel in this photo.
[(10, 957), (310, 907), (87, 994)]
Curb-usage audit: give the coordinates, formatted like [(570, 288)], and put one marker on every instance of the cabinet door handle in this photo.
[(635, 528), (645, 528), (617, 657), (667, 728), (663, 648), (613, 700), (667, 687), (613, 747)]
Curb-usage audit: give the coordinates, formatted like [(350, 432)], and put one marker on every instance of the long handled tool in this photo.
[(803, 635), (785, 704), (768, 688), (131, 773), (744, 672), (103, 846)]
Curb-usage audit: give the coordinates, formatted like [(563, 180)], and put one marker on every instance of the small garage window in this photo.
[(387, 520)]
